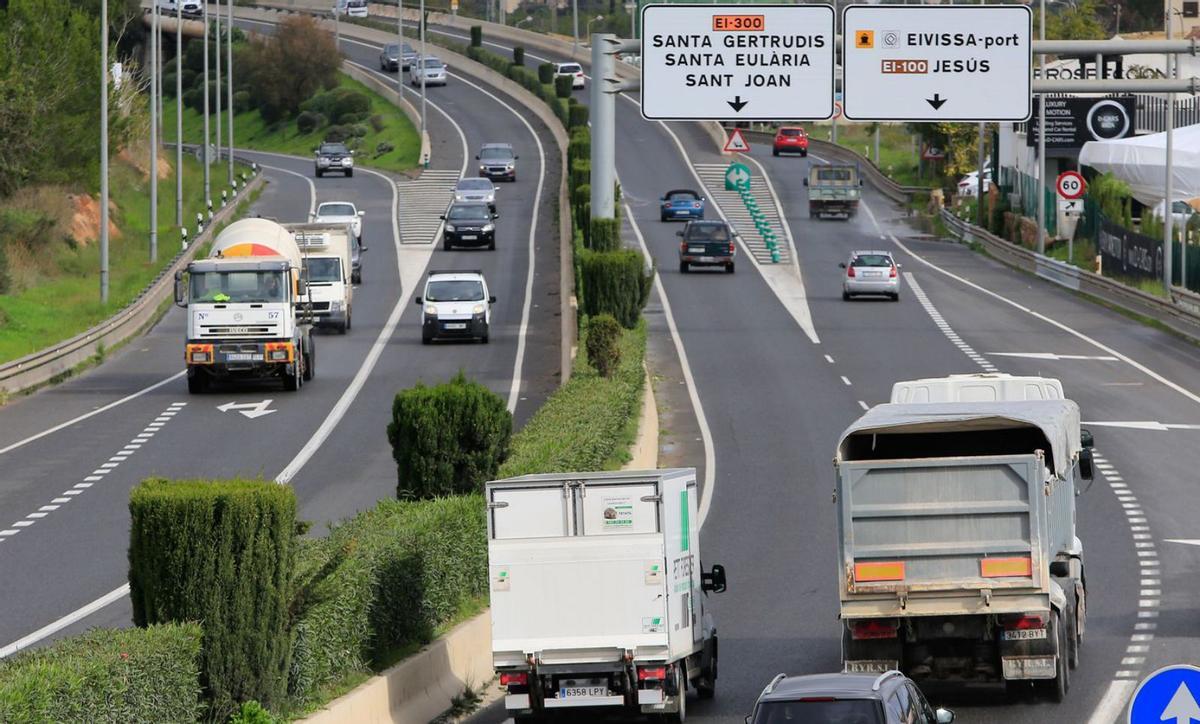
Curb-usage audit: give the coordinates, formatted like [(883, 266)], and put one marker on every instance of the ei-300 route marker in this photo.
[(737, 62), (937, 62)]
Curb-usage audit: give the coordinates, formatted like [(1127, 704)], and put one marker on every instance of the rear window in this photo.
[(843, 711), (833, 174), (335, 210), (707, 232), (791, 132), (871, 260), (569, 68), (682, 196)]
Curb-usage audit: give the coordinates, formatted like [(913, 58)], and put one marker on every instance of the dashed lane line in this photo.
[(944, 326)]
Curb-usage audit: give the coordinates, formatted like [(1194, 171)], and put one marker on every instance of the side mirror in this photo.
[(492, 299), (476, 157), (496, 215), (1085, 438), (362, 249), (944, 716), (1086, 467), (362, 213), (805, 182), (417, 301), (842, 265), (442, 217), (679, 233), (179, 290), (714, 580), (899, 266)]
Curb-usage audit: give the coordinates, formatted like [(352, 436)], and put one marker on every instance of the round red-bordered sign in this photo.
[(1070, 185)]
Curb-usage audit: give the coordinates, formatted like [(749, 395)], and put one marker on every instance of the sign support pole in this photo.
[(1041, 153), (603, 114), (979, 179), (1169, 202)]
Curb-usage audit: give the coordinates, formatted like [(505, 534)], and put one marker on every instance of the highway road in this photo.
[(70, 454), (775, 404)]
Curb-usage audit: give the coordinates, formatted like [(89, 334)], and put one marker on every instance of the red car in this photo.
[(790, 139)]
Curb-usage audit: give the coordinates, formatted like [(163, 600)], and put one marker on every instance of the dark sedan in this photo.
[(396, 57), (469, 224)]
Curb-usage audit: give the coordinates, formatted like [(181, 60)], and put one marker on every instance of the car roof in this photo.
[(864, 252), (841, 685), (496, 145), (476, 204), (466, 275), (330, 203), (682, 191)]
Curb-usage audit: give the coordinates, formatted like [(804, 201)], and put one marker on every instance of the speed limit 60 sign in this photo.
[(1070, 185)]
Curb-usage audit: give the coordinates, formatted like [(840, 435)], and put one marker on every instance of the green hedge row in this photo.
[(126, 675), (383, 582), (617, 283), (588, 423)]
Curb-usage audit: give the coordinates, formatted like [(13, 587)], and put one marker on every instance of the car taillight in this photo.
[(695, 204), (1023, 621), (683, 246), (874, 628), (892, 273), (731, 247), (518, 678), (850, 272), (652, 673), (666, 204)]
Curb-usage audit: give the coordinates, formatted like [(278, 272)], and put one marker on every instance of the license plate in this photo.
[(870, 666), (469, 237), (873, 275), (1025, 634), (708, 258), (576, 692), (242, 357), (460, 325), (682, 212), (238, 330)]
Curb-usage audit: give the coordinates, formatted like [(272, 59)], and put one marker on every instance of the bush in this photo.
[(616, 283), (476, 36), (190, 79), (518, 56), (545, 73), (309, 121), (580, 145), (126, 675), (168, 85), (448, 439), (604, 235), (578, 116), (359, 130), (587, 424), (193, 98), (242, 102), (220, 552), (383, 147), (337, 134), (377, 122), (252, 713), (562, 86), (604, 344), (347, 103), (581, 171)]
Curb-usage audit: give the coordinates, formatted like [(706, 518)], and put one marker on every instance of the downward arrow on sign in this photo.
[(737, 103), (249, 409), (936, 101)]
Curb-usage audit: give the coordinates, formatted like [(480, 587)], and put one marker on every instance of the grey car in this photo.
[(479, 190), (871, 272), (497, 161), (396, 57), (887, 698)]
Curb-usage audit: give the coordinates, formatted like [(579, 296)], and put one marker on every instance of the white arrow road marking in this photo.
[(1054, 357), (1185, 541), (1144, 425), (249, 409)]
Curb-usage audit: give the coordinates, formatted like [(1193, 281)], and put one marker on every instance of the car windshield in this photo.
[(324, 269), (871, 260), (237, 286), (682, 196), (791, 132), (469, 213), (707, 232), (462, 290), (432, 63), (408, 48), (495, 154), (475, 184), (335, 210), (334, 148), (392, 49), (823, 709)]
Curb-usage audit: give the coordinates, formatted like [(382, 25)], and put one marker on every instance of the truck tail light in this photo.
[(874, 628), (279, 352), (1023, 621), (850, 272), (652, 673), (199, 354), (514, 678), (731, 247)]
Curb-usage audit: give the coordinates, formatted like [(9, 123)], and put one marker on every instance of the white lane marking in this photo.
[(61, 500), (710, 455), (22, 524), (863, 405), (828, 359), (63, 622), (1184, 541), (1052, 357), (944, 326), (845, 381), (93, 413), (1151, 425)]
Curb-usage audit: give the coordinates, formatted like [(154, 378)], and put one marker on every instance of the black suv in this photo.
[(887, 698), (707, 243), (334, 157), (497, 161), (469, 223)]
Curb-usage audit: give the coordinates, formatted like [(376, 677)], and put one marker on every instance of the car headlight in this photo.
[(488, 227), (347, 161), (450, 228), (478, 309), (335, 306), (323, 161), (431, 310), (508, 166), (482, 168)]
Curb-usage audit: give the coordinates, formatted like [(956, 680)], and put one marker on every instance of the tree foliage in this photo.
[(1082, 20), (287, 68)]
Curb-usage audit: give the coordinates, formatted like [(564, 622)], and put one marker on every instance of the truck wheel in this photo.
[(1056, 689), (706, 685), (729, 268), (291, 383), (197, 383), (683, 267), (678, 717), (310, 362), (356, 277), (1072, 621)]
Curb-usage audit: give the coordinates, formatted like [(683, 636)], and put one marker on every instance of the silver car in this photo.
[(432, 68), (871, 272), (480, 190)]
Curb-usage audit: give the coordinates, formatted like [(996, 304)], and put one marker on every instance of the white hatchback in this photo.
[(871, 272), (573, 71)]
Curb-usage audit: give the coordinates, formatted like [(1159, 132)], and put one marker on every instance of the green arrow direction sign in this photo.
[(737, 177)]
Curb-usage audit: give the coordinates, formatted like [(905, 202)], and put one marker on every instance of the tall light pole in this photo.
[(421, 20), (1169, 202), (103, 152), (207, 138), (178, 113), (229, 75), (1041, 146), (979, 178), (400, 57), (574, 27), (154, 71), (219, 89)]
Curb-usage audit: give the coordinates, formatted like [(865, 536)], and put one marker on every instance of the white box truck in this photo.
[(325, 248), (598, 594)]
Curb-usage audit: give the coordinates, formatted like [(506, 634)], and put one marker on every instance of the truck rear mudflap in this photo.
[(649, 687)]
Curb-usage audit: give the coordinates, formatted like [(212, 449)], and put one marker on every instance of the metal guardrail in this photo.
[(1181, 313), (38, 368)]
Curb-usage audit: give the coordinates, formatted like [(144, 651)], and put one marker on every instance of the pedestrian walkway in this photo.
[(422, 202), (713, 175)]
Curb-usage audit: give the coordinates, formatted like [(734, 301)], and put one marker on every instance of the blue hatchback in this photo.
[(681, 204)]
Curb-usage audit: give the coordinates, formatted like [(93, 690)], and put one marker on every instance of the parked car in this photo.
[(574, 70), (968, 186), (469, 224), (707, 243), (351, 8), (871, 272), (433, 69), (187, 8), (340, 212), (395, 56), (334, 157), (457, 305), (790, 139), (887, 698), (681, 204), (497, 161), (479, 190)]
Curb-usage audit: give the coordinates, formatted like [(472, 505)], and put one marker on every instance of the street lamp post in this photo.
[(219, 88), (400, 54), (1168, 203), (154, 70), (421, 20), (207, 139), (574, 28), (1041, 146), (104, 152), (229, 77), (178, 113)]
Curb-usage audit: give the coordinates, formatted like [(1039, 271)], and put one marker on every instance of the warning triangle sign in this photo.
[(737, 142)]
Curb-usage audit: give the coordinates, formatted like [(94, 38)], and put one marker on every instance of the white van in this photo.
[(351, 8), (991, 387)]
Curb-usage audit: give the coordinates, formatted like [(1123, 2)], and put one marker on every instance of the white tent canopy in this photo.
[(1141, 162)]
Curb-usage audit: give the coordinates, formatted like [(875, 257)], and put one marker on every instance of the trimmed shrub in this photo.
[(616, 284), (518, 56), (350, 102), (168, 85), (190, 79), (220, 552), (193, 98), (581, 171), (252, 713), (382, 148), (476, 36), (579, 116), (113, 675), (447, 439), (377, 122), (351, 119), (580, 145), (241, 101), (337, 134), (604, 344), (309, 121), (562, 86), (604, 235), (545, 73)]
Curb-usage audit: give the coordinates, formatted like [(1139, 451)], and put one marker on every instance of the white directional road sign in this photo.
[(936, 62), (737, 62)]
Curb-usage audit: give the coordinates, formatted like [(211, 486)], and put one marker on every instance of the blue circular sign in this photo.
[(1171, 695)]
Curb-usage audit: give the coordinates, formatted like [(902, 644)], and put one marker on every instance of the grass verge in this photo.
[(897, 154)]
